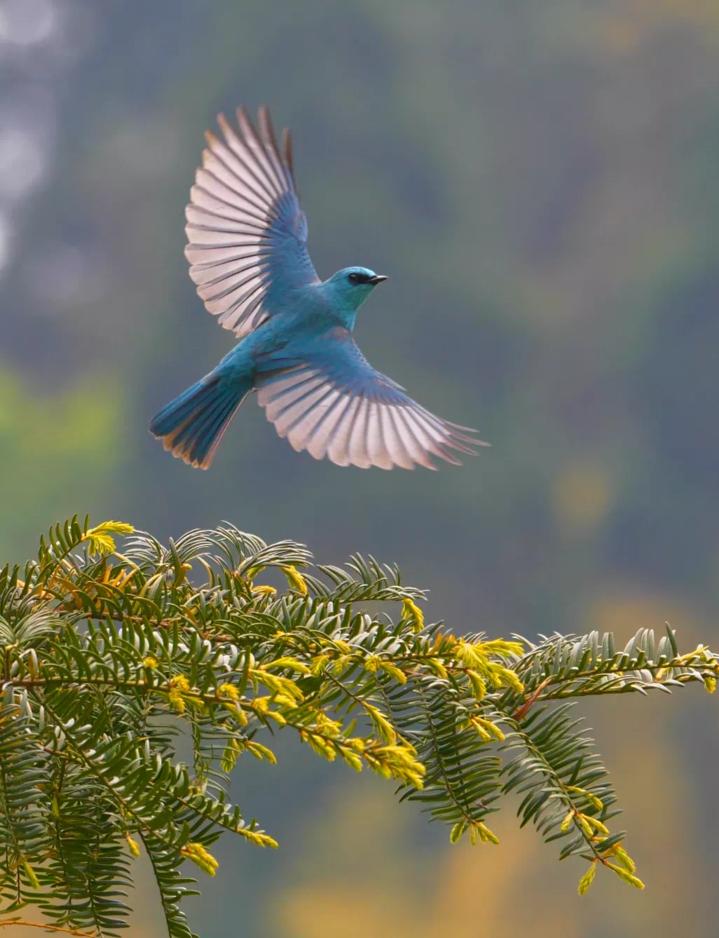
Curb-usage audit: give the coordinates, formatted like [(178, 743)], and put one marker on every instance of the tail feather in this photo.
[(192, 425)]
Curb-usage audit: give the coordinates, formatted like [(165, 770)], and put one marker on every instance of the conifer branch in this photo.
[(111, 654)]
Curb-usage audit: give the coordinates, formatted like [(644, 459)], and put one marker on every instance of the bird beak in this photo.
[(378, 278)]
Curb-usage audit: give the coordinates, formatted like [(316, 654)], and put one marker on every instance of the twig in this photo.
[(521, 711), (47, 927)]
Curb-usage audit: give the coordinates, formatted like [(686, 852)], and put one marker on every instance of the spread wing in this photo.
[(331, 402), (246, 232)]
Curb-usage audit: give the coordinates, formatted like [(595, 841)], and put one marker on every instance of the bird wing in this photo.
[(331, 402), (246, 232)]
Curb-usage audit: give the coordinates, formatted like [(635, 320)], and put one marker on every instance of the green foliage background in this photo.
[(539, 182)]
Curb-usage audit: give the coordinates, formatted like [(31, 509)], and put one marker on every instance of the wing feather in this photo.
[(338, 450), (357, 447), (330, 402), (246, 233)]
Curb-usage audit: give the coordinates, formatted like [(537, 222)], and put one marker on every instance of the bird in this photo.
[(248, 256)]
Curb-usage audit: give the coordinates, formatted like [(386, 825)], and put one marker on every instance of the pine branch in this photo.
[(111, 656)]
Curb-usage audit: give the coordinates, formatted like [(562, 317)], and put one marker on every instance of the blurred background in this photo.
[(539, 181)]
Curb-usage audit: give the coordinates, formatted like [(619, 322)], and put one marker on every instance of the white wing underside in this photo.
[(245, 228), (355, 429)]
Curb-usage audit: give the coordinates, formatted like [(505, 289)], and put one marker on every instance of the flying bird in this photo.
[(247, 250)]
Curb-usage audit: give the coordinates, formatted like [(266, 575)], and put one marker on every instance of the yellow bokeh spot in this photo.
[(582, 497)]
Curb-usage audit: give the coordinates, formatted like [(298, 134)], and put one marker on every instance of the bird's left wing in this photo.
[(246, 232), (331, 402)]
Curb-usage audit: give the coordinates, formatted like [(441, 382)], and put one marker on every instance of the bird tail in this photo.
[(192, 425)]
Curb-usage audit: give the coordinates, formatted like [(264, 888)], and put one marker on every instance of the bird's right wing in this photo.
[(330, 401), (246, 232)]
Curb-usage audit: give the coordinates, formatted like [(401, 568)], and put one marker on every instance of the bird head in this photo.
[(351, 286)]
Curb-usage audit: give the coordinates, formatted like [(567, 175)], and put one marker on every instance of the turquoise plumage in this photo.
[(247, 249)]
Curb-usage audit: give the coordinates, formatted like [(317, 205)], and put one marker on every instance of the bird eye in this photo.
[(355, 278)]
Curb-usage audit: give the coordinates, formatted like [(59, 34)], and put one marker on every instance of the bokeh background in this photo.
[(540, 181)]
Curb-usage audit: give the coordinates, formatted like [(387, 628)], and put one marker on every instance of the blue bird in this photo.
[(247, 250)]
